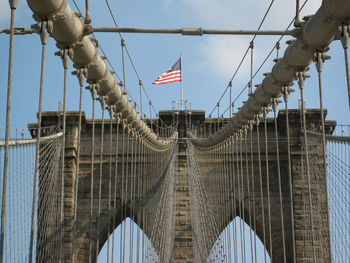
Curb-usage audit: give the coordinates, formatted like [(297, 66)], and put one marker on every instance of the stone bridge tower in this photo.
[(184, 246)]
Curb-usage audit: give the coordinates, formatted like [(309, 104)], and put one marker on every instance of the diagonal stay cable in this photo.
[(255, 74), (101, 48), (131, 60), (127, 51), (244, 56), (105, 55), (265, 60)]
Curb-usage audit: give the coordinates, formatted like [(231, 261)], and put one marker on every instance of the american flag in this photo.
[(171, 75)]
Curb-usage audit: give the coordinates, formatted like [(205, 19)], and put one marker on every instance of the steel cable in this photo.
[(44, 39), (268, 184), (7, 135)]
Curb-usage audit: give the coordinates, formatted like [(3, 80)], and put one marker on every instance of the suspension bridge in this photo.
[(263, 184)]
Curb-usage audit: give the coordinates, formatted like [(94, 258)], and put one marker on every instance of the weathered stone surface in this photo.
[(183, 243)]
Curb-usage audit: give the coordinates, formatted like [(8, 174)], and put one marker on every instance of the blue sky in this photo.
[(208, 62)]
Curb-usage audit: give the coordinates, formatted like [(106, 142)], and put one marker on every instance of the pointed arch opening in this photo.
[(238, 243), (128, 243)]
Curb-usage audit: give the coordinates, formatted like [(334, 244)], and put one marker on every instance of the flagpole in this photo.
[(182, 95)]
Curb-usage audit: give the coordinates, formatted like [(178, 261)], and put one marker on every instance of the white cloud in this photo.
[(222, 13), (243, 14), (282, 13), (222, 54), (4, 11)]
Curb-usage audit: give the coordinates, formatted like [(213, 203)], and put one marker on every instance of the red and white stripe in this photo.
[(168, 77)]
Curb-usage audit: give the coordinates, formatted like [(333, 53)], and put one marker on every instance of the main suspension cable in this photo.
[(126, 49), (263, 63), (245, 54)]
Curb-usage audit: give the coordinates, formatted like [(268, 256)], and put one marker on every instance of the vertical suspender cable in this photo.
[(220, 201), (139, 183), (150, 114), (286, 92), (65, 61), (7, 135), (218, 106), (81, 84), (148, 186), (44, 35), (152, 169), (229, 203), (345, 40), (132, 176), (115, 184), (145, 219), (321, 57), (147, 169), (274, 106), (297, 11), (234, 201), (251, 66), (261, 186), (143, 188), (278, 47), (230, 85), (122, 193), (93, 91), (268, 183), (111, 115), (302, 76), (126, 174), (248, 190), (141, 104), (215, 197), (103, 107), (219, 196), (227, 184), (253, 186), (214, 182), (143, 191), (87, 14), (239, 194), (223, 183), (123, 62), (242, 194)]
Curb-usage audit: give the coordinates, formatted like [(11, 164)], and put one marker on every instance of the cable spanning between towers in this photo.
[(275, 47), (132, 63), (108, 60), (292, 66), (243, 58), (131, 60), (129, 57), (69, 33)]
